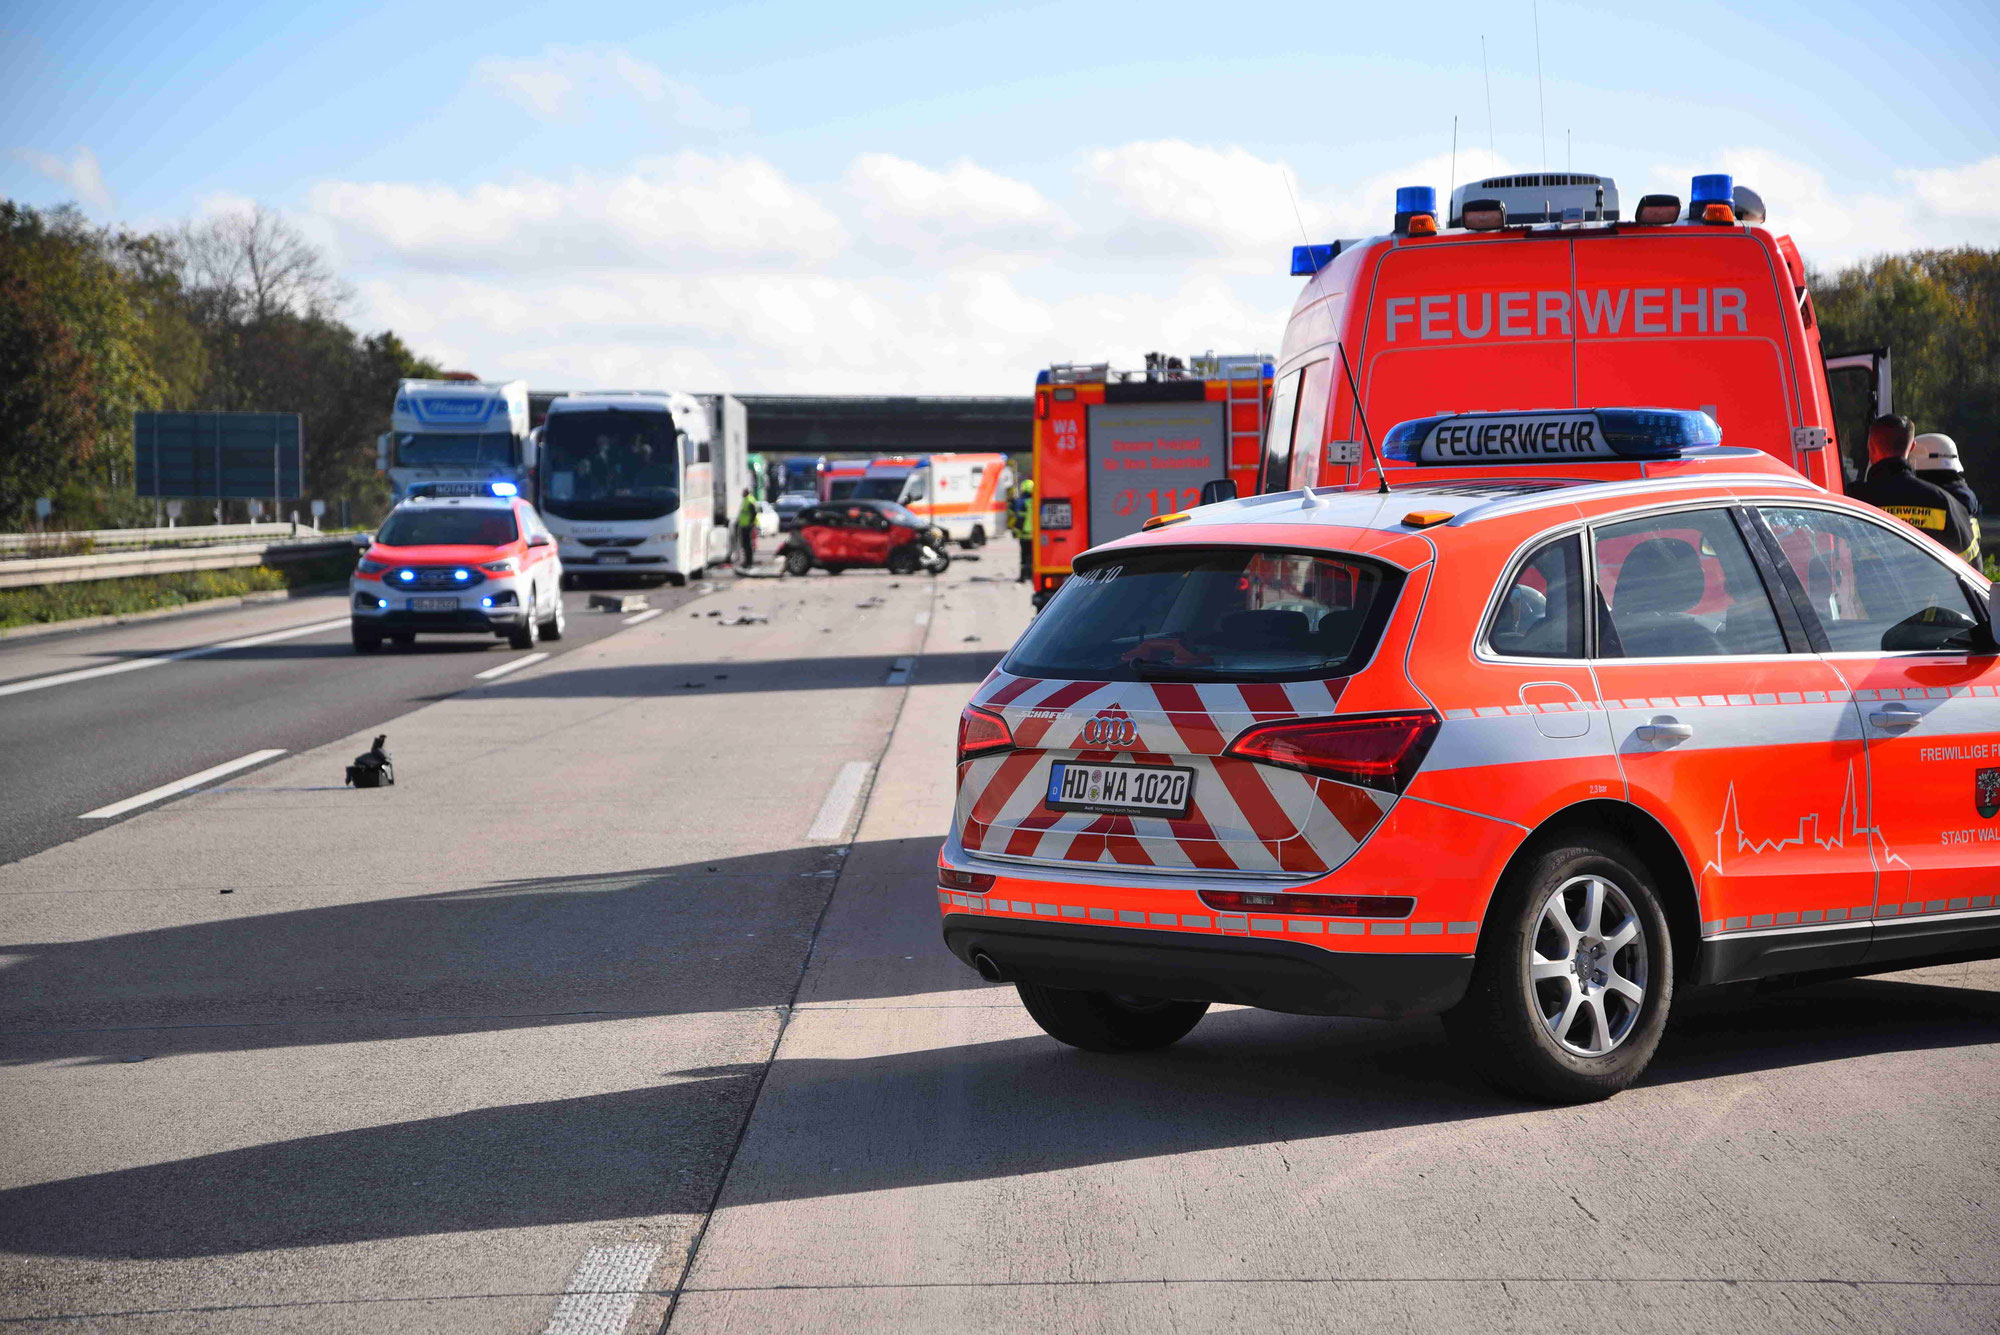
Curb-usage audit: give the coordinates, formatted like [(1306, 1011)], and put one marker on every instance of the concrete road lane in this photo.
[(444, 1048), (922, 1158), (73, 741)]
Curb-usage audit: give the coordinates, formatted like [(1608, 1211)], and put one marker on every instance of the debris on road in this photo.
[(619, 602), (372, 768), (746, 619)]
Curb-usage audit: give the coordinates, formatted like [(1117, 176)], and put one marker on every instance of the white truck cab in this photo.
[(458, 431)]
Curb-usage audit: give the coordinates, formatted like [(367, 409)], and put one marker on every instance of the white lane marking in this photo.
[(134, 664), (643, 616), (525, 660), (181, 785), (840, 799), (604, 1289), (899, 675)]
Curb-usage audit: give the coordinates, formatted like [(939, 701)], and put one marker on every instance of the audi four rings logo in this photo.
[(1110, 730)]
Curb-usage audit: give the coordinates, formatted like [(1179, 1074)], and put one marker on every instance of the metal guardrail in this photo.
[(15, 545), (172, 561)]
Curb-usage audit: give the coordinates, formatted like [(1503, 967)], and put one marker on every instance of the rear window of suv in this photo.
[(1219, 614)]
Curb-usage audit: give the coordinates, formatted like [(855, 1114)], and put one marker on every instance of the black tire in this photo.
[(942, 564), (1505, 1025), (558, 621), (834, 570), (798, 561), (904, 561), (404, 638), (367, 641), (529, 632), (978, 538), (1103, 1022)]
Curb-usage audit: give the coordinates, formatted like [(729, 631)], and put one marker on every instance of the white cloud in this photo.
[(81, 176), (1971, 191), (905, 277), (567, 83), (683, 211), (1941, 207), (1180, 199)]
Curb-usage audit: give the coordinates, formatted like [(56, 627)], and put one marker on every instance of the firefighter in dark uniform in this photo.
[(1934, 458), (1892, 486)]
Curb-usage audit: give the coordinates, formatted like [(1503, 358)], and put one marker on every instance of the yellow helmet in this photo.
[(1028, 486)]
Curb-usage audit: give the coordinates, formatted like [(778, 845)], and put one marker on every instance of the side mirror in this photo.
[(538, 540), (1933, 629), (1219, 489), (382, 453)]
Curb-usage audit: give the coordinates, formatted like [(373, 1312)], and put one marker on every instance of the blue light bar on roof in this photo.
[(1602, 435), (1309, 260), (505, 489), (1715, 189)]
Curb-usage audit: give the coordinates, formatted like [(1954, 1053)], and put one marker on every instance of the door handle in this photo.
[(1665, 730), (1896, 718)]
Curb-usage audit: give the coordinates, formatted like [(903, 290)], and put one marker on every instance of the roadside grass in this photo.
[(48, 603)]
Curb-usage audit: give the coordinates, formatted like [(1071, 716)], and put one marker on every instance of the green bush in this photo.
[(145, 593)]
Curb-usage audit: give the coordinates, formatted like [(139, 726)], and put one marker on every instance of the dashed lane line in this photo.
[(513, 665), (603, 1289), (643, 617), (848, 785), (178, 786), (201, 651)]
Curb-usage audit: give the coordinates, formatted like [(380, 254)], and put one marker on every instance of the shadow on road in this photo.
[(838, 1126), (703, 936)]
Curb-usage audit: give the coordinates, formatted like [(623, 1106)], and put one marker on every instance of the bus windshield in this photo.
[(613, 464), (425, 449)]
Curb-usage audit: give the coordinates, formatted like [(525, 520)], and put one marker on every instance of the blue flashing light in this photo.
[(1309, 260), (1603, 435), (486, 602), (1416, 199), (461, 575), (1719, 188), (505, 489), (1041, 377), (406, 575)]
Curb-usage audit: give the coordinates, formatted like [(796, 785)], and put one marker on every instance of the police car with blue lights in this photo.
[(459, 558)]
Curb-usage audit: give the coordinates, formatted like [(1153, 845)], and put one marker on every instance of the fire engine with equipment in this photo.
[(1113, 449)]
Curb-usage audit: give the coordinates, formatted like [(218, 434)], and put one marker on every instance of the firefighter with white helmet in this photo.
[(1934, 458)]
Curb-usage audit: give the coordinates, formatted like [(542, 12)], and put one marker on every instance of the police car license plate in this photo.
[(433, 604), (611, 558), (1121, 790)]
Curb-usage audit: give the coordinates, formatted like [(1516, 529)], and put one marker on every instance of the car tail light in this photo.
[(982, 733), (1312, 906), (950, 879), (1376, 751)]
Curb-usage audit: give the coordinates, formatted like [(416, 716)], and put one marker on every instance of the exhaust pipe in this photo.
[(988, 969)]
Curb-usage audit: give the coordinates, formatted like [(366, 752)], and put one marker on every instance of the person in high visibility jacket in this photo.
[(1017, 524), (1892, 486), (746, 527)]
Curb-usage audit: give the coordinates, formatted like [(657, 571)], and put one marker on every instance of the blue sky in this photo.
[(903, 196)]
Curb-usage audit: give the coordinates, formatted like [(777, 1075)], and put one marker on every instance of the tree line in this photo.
[(241, 313), (1938, 313), (237, 313)]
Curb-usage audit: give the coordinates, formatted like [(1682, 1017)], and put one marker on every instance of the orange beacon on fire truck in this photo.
[(1588, 710)]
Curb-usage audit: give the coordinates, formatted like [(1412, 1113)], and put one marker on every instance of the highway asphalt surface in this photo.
[(73, 747), (625, 1010)]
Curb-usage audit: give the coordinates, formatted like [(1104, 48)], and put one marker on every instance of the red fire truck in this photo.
[(1114, 448), (1562, 305)]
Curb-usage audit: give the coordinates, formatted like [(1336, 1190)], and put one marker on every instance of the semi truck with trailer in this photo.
[(457, 430)]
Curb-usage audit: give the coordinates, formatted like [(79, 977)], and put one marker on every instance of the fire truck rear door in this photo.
[(1688, 321), (1150, 459)]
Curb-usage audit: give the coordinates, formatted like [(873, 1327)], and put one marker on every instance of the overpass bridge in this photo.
[(875, 424)]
